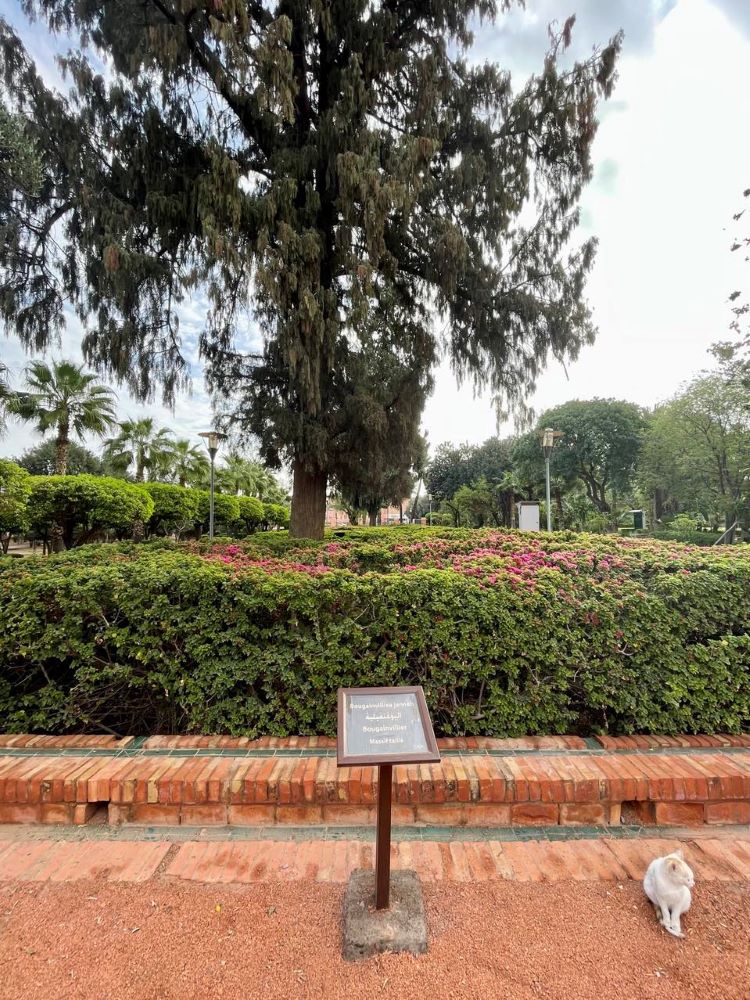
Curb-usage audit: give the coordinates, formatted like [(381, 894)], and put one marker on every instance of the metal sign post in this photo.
[(383, 727)]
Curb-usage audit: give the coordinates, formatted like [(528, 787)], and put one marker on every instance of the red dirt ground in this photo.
[(567, 941)]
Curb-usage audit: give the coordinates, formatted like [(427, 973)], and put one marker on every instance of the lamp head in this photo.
[(213, 439)]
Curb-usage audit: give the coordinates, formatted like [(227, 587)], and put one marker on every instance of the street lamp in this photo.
[(213, 440), (548, 443)]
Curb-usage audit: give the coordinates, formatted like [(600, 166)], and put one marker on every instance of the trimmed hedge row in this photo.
[(513, 635)]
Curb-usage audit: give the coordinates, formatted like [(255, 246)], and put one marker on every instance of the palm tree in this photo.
[(243, 475), (139, 444), (65, 397), (187, 462), (238, 474)]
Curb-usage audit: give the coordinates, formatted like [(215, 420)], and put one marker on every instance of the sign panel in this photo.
[(384, 726)]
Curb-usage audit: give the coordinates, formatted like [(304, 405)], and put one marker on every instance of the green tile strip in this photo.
[(134, 750), (180, 834)]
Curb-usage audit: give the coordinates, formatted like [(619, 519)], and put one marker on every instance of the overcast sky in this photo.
[(672, 158)]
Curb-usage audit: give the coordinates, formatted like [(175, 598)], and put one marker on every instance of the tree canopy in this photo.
[(345, 171), (600, 443), (41, 460), (63, 397)]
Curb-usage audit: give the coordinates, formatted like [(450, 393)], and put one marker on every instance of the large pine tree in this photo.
[(338, 170)]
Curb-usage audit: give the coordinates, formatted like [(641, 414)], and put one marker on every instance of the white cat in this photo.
[(667, 884)]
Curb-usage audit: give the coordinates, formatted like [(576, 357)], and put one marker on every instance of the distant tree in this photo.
[(346, 167), (712, 412), (15, 489), (244, 476), (42, 460), (139, 445), (63, 397), (186, 462), (600, 446), (672, 473)]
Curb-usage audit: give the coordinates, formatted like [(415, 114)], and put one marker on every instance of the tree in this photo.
[(74, 509), (187, 463), (15, 489), (41, 460), (20, 166), (379, 434), (600, 446), (20, 171), (348, 168), (141, 445), (714, 414), (64, 397), (672, 473)]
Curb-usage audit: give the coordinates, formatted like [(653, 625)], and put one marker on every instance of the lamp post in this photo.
[(548, 443), (213, 439)]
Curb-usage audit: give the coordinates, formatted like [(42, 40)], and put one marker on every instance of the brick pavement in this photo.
[(723, 858)]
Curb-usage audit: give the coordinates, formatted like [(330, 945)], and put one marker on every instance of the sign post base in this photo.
[(369, 931)]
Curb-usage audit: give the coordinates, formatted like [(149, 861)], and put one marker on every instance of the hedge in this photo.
[(508, 633)]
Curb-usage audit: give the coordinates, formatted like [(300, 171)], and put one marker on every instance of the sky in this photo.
[(672, 158)]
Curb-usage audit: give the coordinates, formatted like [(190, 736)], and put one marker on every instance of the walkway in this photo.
[(85, 915)]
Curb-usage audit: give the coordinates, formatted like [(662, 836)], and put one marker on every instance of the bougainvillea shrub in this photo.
[(509, 633)]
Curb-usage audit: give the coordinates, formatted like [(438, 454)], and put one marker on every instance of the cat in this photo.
[(667, 883)]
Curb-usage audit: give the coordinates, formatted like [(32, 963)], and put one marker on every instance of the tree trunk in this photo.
[(372, 517), (139, 530), (56, 539), (308, 502), (62, 448)]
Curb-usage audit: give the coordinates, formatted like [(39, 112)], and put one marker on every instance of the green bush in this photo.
[(276, 515), (15, 489), (176, 508), (252, 515), (508, 633), (83, 505), (226, 511), (691, 537)]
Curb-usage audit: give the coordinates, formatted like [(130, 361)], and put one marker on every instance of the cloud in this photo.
[(519, 39), (737, 11), (605, 176)]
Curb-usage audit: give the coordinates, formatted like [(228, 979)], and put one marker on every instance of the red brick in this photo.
[(155, 814), (679, 813), (118, 813), (208, 814), (56, 812), (402, 815), (727, 812), (533, 814), (488, 814), (14, 812), (83, 812), (447, 814), (583, 814), (342, 814), (258, 814), (299, 815)]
